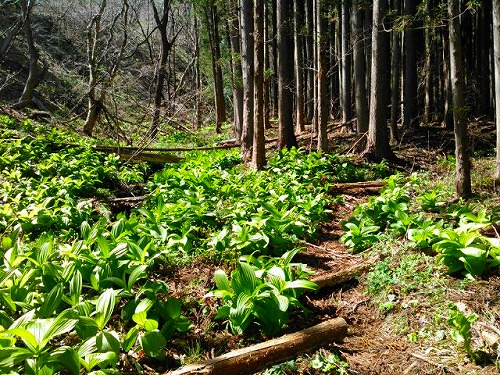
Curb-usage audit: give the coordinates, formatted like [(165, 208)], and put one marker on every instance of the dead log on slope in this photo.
[(257, 357), (343, 275), (335, 188)]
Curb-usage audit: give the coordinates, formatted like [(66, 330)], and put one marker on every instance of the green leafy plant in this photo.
[(461, 324), (329, 362), (358, 236), (262, 290), (462, 251), (36, 353)]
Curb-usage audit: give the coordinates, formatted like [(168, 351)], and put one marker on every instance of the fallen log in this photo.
[(155, 158), (357, 185), (131, 149), (341, 276), (257, 357)]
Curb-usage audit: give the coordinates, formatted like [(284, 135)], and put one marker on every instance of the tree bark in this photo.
[(496, 58), (285, 77), (220, 106), (299, 71), (198, 120), (10, 35), (395, 78), (35, 72), (259, 150), (165, 47), (378, 147), (462, 178), (346, 58), (310, 58), (247, 67), (483, 55), (361, 99), (234, 30), (322, 100), (95, 104), (410, 79)]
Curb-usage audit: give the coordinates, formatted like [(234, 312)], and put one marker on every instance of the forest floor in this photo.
[(397, 312)]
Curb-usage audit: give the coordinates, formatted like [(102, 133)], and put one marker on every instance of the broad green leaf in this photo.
[(130, 339), (150, 325), (244, 279), (10, 357), (223, 312), (139, 272), (107, 342), (301, 284), (153, 343), (144, 305), (140, 317), (28, 338), (63, 323), (119, 250), (87, 347), (117, 229), (173, 307), (52, 301), (85, 230), (23, 319), (86, 327), (102, 360), (221, 280), (283, 303), (103, 245), (75, 287), (104, 307), (239, 315), (68, 358)]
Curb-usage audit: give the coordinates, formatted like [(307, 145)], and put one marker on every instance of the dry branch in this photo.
[(256, 357), (162, 149), (341, 276), (357, 185)]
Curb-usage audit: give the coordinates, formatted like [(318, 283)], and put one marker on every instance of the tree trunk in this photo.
[(378, 147), (247, 68), (483, 55), (310, 57), (198, 73), (234, 32), (10, 35), (496, 58), (95, 104), (274, 43), (165, 47), (35, 72), (463, 178), (410, 79), (447, 115), (299, 72), (285, 77), (322, 102), (428, 72), (361, 100), (267, 67), (395, 78), (259, 150), (346, 63), (220, 106)]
